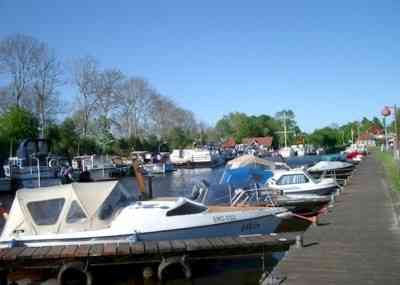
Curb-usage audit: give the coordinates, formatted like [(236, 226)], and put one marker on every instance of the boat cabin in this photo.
[(65, 208), (291, 177)]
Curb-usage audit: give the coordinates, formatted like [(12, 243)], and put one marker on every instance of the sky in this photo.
[(328, 61)]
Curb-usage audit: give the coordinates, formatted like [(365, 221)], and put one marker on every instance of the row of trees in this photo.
[(109, 110), (240, 125)]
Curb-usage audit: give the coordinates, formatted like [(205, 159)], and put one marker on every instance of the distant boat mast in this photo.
[(285, 131)]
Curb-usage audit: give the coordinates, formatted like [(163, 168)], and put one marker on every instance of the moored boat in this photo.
[(332, 167), (197, 157), (87, 213), (299, 181)]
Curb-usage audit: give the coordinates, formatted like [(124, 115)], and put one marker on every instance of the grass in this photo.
[(391, 166)]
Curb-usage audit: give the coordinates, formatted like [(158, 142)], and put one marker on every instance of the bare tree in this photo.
[(109, 86), (47, 75), (17, 59), (84, 77), (6, 99), (134, 105)]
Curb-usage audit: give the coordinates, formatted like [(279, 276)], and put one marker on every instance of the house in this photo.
[(229, 143), (262, 142), (371, 136)]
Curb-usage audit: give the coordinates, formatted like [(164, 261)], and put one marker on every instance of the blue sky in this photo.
[(328, 61)]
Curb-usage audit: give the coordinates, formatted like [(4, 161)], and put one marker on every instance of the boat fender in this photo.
[(53, 163), (3, 213), (78, 267), (180, 260)]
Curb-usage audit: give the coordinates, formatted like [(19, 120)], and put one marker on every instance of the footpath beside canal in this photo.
[(358, 242)]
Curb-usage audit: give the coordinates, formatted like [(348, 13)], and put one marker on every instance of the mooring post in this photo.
[(299, 241), (3, 277), (150, 186)]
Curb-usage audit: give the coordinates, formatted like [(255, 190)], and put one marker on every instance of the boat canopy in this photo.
[(66, 208), (247, 160), (247, 170)]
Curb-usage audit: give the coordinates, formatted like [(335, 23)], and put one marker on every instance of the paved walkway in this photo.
[(359, 241)]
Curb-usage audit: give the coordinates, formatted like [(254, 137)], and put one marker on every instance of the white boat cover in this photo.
[(248, 159), (65, 208), (329, 165)]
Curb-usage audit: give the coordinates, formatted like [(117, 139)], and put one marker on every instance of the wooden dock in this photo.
[(358, 242), (164, 253)]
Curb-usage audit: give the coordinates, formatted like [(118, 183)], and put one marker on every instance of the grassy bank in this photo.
[(391, 167)]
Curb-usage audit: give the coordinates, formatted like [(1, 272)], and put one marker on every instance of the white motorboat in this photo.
[(299, 181), (102, 212), (337, 167), (159, 168), (196, 158)]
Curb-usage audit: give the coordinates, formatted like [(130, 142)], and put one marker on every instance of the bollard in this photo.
[(299, 241), (148, 272)]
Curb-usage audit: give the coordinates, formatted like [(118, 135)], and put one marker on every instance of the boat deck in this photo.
[(358, 242)]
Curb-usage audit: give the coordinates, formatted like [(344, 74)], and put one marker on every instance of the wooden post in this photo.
[(3, 277), (139, 177), (150, 186)]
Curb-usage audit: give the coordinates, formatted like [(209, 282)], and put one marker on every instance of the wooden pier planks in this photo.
[(147, 250), (358, 242)]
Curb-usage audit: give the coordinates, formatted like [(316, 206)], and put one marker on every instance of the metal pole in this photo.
[(396, 130), (284, 128), (385, 129), (38, 170)]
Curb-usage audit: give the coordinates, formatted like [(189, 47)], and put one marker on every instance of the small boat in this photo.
[(223, 194), (99, 212), (159, 168), (192, 158), (33, 163), (302, 204), (249, 169), (99, 167), (298, 181), (286, 152), (332, 167)]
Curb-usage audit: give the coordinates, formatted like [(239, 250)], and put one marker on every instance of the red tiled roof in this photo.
[(230, 143), (376, 130), (365, 136), (266, 141)]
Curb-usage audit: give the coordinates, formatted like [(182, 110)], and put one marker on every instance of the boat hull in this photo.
[(254, 226), (316, 191)]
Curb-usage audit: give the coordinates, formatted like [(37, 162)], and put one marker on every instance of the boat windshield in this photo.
[(118, 199), (186, 208), (312, 178)]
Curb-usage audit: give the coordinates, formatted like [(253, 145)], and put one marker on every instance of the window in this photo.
[(186, 209), (292, 179), (75, 213), (45, 213)]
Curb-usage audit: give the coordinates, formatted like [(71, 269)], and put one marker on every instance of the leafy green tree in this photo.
[(17, 124), (178, 138), (65, 138)]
